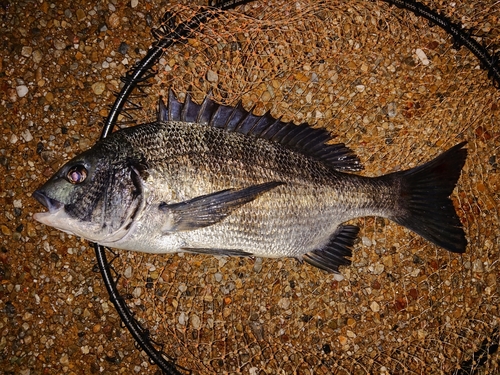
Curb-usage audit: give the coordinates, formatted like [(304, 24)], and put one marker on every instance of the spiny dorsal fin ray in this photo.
[(171, 111), (301, 138), (208, 107), (242, 121), (190, 110), (161, 114)]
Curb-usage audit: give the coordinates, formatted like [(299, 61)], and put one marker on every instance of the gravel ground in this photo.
[(389, 86)]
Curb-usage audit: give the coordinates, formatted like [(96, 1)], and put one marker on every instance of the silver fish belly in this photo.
[(216, 179)]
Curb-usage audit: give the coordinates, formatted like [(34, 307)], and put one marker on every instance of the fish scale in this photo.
[(234, 183)]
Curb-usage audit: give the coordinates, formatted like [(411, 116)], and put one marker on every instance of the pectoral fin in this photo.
[(209, 209)]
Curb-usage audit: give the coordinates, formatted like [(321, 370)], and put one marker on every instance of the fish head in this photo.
[(91, 196)]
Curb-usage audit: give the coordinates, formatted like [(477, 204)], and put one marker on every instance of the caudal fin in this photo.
[(425, 206)]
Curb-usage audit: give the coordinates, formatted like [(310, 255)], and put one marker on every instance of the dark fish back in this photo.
[(301, 138)]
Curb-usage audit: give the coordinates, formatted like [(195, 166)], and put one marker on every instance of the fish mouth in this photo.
[(52, 205), (55, 216)]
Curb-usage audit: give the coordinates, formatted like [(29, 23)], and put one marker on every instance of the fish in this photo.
[(216, 179)]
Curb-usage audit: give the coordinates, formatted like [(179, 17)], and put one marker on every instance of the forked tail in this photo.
[(425, 206)]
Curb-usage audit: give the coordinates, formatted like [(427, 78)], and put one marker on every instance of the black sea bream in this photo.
[(216, 179)]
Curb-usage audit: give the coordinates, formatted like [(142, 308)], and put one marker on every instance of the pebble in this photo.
[(27, 316), (137, 292), (338, 276), (212, 76), (134, 3), (195, 321), (301, 77), (64, 359), (123, 48), (257, 267), (22, 90), (30, 230), (266, 96), (360, 88), (222, 261), (422, 57), (59, 44), (387, 261), (391, 109), (377, 269), (39, 77), (352, 65), (491, 280), (351, 334), (27, 136), (284, 303), (13, 139), (84, 143), (128, 272), (477, 266), (375, 306), (105, 307), (182, 318), (26, 51), (80, 15), (113, 21), (98, 88)]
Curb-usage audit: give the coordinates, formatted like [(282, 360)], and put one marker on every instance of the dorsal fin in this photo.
[(301, 138)]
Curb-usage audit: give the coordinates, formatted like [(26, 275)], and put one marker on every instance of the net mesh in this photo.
[(396, 92)]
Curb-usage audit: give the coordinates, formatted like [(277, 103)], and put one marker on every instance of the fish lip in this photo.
[(52, 205)]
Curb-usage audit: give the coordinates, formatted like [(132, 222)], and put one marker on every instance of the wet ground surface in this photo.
[(389, 86)]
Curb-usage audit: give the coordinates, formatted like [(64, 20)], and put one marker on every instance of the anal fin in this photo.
[(334, 253)]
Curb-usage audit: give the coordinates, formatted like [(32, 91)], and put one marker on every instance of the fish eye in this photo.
[(77, 174)]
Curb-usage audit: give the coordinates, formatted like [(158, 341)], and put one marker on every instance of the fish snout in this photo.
[(51, 204)]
